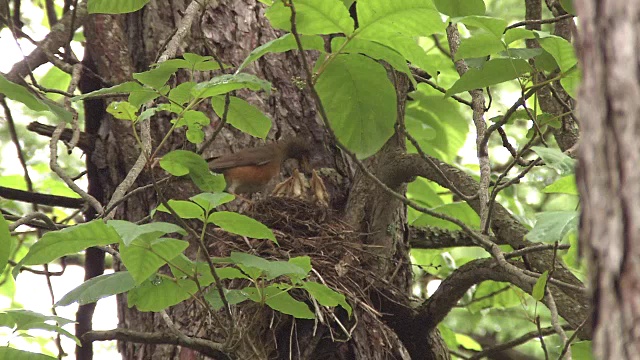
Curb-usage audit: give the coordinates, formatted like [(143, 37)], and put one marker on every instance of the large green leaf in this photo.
[(556, 159), (129, 231), (561, 50), (5, 243), (160, 293), (114, 6), (280, 300), (233, 297), (182, 162), (15, 354), (19, 93), (241, 225), (99, 287), (273, 269), (494, 71), (552, 226), (443, 117), (582, 350), (491, 294), (360, 102), (185, 209), (146, 254), (459, 8), (282, 44), (564, 185), (326, 296), (124, 88), (210, 201), (374, 50), (225, 83), (243, 116), (382, 18), (479, 45), (313, 17), (68, 241), (495, 26)]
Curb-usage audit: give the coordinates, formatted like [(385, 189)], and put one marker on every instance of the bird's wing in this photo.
[(247, 157)]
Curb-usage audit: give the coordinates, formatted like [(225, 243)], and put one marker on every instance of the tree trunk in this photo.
[(609, 176), (118, 46)]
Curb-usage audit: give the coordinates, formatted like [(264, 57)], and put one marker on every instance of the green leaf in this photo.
[(313, 17), (195, 121), (459, 8), (145, 255), (225, 83), (381, 18), (55, 79), (184, 209), (273, 269), (448, 336), (123, 110), (326, 296), (541, 284), (561, 50), (374, 50), (157, 77), (22, 319), (479, 45), (468, 342), (233, 296), (494, 71), (516, 34), (567, 5), (181, 94), (160, 293), (360, 102), (283, 302), (182, 162), (124, 88), (493, 25), (552, 226), (443, 115), (129, 231), (20, 94), (459, 210), (582, 350), (15, 354), (243, 116), (99, 287), (423, 191), (516, 53), (241, 225), (114, 6), (210, 201), (556, 159), (570, 81), (304, 262), (5, 243), (564, 185), (68, 241), (282, 44)]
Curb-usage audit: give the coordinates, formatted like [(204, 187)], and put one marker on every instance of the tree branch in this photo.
[(206, 347)]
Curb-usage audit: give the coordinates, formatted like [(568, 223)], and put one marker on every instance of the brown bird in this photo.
[(250, 170)]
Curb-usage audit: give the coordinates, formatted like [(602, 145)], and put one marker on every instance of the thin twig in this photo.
[(539, 22)]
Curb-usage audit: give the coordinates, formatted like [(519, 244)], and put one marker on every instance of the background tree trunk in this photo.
[(118, 46), (609, 176)]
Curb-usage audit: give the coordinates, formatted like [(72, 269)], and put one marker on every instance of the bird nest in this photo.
[(338, 257)]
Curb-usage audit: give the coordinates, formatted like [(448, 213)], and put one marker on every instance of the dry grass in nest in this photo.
[(337, 256)]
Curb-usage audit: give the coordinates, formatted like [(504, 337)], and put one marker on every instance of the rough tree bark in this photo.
[(118, 46), (609, 176)]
